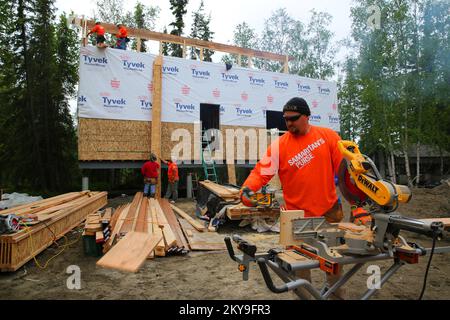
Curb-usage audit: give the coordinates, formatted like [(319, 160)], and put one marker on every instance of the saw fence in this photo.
[(45, 221)]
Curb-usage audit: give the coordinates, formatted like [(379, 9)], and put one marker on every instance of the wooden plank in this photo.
[(169, 236), (156, 116), (141, 219), (174, 224), (131, 252), (196, 224), (132, 212), (221, 191), (144, 34), (121, 219), (106, 218), (99, 237), (149, 226), (202, 241), (37, 206), (241, 211), (231, 168), (160, 249)]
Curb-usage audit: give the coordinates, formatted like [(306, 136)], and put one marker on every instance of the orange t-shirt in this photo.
[(172, 172), (99, 30), (307, 166)]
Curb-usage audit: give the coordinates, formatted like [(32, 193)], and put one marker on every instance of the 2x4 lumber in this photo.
[(196, 224), (173, 221), (156, 115), (118, 226), (160, 249), (106, 218), (219, 190), (164, 37), (136, 216), (128, 224), (131, 252), (149, 226), (141, 222), (37, 206), (169, 236)]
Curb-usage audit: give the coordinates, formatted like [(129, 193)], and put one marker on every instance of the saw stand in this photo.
[(285, 264)]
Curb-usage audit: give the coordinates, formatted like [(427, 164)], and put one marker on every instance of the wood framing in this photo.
[(156, 116), (143, 34)]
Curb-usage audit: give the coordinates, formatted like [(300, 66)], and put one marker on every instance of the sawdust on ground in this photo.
[(213, 275)]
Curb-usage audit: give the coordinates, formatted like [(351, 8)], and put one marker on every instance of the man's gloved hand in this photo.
[(246, 193)]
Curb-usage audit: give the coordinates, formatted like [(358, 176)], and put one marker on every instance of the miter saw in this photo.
[(372, 235)]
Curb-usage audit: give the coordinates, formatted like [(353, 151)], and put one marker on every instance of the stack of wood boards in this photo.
[(224, 192), (240, 211), (46, 221), (148, 228), (98, 224)]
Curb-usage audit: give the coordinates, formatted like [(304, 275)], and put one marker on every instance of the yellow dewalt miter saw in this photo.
[(374, 235), (361, 183)]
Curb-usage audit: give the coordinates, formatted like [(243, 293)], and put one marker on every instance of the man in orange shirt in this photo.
[(173, 178), (100, 31), (122, 37), (306, 159)]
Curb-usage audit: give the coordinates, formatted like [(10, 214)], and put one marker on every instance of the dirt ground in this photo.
[(213, 275)]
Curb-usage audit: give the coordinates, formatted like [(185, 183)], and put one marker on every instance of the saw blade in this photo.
[(348, 187)]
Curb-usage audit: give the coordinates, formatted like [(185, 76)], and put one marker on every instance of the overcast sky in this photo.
[(225, 15)]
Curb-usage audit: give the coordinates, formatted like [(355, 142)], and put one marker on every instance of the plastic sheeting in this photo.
[(117, 84), (16, 199)]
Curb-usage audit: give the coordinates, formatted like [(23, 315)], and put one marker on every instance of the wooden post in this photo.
[(138, 44), (240, 60), (201, 54), (161, 48), (184, 49), (156, 116), (250, 62), (231, 168), (286, 64)]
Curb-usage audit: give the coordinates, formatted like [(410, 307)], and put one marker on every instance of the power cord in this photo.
[(428, 267)]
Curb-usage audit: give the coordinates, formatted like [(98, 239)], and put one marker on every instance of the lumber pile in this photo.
[(240, 212), (43, 222), (148, 228), (98, 224)]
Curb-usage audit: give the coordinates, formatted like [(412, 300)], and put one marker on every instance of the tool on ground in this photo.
[(375, 235), (9, 223)]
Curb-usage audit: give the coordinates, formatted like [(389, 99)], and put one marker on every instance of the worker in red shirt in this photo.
[(122, 37), (306, 159), (150, 172), (100, 31), (173, 178)]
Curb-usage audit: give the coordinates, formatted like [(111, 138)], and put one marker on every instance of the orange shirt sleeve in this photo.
[(265, 169)]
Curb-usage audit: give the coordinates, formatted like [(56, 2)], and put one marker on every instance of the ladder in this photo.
[(209, 167)]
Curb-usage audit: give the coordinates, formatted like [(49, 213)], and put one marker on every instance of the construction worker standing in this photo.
[(100, 31), (306, 159), (150, 172), (122, 37), (173, 178)]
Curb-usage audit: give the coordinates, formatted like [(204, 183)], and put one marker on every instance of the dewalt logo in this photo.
[(366, 183)]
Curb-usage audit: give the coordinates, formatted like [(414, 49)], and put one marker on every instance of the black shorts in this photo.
[(101, 39)]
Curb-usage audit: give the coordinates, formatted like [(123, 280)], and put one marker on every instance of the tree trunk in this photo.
[(418, 164), (394, 175), (408, 170), (442, 162)]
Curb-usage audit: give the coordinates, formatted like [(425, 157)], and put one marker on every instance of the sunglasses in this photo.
[(292, 118)]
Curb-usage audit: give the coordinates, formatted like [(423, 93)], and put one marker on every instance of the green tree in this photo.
[(200, 30), (245, 37), (178, 8)]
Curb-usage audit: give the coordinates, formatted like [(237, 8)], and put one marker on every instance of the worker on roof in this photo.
[(99, 30), (173, 178), (150, 172), (306, 159), (122, 37)]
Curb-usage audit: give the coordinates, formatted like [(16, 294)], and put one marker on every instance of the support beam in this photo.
[(156, 116), (158, 36)]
